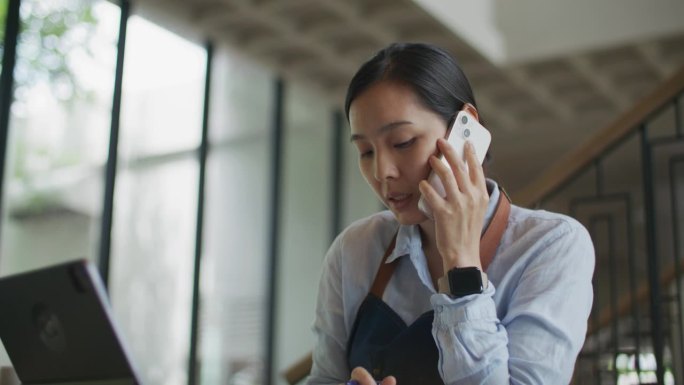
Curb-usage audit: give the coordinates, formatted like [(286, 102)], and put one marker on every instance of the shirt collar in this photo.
[(408, 236)]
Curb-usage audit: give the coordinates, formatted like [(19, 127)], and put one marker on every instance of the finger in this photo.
[(446, 175), (458, 166), (389, 380), (362, 376), (476, 173), (432, 197)]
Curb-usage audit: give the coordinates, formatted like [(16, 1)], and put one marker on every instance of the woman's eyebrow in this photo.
[(385, 128)]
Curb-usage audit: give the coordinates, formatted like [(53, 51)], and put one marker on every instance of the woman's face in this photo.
[(395, 136)]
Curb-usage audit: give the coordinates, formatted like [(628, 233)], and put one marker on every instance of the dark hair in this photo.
[(432, 73)]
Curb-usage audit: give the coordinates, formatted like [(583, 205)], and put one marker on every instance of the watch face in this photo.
[(465, 281)]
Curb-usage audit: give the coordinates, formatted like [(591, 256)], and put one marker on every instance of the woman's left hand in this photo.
[(459, 216)]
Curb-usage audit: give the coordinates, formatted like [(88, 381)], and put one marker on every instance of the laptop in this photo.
[(57, 327)]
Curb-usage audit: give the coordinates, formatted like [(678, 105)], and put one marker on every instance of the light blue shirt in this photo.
[(526, 328)]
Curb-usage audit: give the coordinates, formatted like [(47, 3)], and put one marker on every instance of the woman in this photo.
[(403, 299)]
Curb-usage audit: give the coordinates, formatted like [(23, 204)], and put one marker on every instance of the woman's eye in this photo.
[(405, 144), (366, 154)]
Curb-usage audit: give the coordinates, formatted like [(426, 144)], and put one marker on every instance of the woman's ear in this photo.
[(469, 108)]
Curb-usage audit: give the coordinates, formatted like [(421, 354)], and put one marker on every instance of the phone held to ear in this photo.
[(465, 127)]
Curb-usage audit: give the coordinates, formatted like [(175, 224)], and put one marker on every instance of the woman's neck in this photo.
[(427, 234)]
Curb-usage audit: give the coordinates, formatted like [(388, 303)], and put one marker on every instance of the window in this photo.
[(306, 220), (235, 260), (155, 201), (59, 131)]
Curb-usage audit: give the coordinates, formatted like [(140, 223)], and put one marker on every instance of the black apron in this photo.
[(382, 343)]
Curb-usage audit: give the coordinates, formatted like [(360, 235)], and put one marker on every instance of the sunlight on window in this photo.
[(163, 92)]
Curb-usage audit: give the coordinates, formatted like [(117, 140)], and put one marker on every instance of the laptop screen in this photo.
[(57, 327)]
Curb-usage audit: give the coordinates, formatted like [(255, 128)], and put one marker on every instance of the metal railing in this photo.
[(625, 185)]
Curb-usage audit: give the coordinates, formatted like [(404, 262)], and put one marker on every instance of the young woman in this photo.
[(482, 293)]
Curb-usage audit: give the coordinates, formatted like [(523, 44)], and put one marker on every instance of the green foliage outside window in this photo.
[(50, 31), (54, 36)]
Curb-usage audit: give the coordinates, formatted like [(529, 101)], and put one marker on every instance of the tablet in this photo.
[(57, 327)]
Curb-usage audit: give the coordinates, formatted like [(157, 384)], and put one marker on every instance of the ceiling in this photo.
[(537, 109)]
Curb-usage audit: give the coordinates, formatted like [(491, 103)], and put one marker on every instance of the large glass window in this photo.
[(59, 131), (234, 264), (52, 203), (306, 222), (155, 201)]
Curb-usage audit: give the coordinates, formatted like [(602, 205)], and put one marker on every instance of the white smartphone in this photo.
[(465, 127)]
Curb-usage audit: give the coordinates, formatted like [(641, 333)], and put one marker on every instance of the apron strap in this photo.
[(497, 225), (385, 271), (489, 242)]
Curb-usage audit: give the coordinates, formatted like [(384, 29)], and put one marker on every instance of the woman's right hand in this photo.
[(361, 376)]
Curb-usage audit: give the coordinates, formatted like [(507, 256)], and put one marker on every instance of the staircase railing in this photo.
[(626, 184)]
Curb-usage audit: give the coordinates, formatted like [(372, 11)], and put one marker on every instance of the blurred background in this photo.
[(197, 152)]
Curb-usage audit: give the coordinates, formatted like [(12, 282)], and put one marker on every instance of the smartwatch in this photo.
[(463, 281)]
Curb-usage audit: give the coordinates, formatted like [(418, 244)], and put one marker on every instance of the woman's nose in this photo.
[(384, 167)]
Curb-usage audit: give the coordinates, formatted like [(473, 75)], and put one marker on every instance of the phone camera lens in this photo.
[(466, 133), (464, 120)]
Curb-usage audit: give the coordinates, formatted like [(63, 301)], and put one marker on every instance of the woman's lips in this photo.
[(399, 201)]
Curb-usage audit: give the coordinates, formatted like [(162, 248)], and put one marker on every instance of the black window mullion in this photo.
[(110, 171), (277, 160), (337, 165), (12, 23), (202, 154)]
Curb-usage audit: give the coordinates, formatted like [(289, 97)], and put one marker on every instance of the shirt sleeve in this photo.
[(543, 326), (329, 354)]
